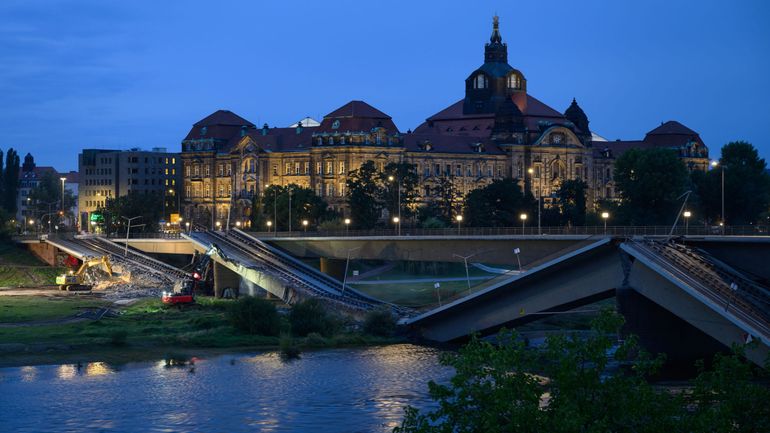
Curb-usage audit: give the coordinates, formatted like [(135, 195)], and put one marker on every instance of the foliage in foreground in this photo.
[(255, 316), (310, 316), (566, 387), (380, 323)]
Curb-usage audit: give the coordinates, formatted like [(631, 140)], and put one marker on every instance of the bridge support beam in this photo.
[(47, 253), (224, 278), (333, 267), (651, 285)]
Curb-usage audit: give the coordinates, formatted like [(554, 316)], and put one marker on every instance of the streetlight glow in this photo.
[(459, 218), (396, 220), (687, 214), (237, 223), (347, 221), (523, 217), (269, 224), (605, 215)]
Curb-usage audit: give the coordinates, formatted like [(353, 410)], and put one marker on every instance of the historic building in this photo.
[(497, 130)]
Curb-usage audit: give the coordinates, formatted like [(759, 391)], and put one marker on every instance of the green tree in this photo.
[(747, 185), (650, 182), (48, 192), (404, 184), (304, 203), (572, 202), (364, 196), (447, 198), (498, 204), (10, 181), (148, 206)]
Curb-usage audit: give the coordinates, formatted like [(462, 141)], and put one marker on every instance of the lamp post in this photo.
[(397, 222), (398, 184), (218, 224), (128, 230), (289, 188), (304, 225), (687, 214), (715, 164), (269, 224), (63, 179), (345, 277), (531, 172), (523, 218), (605, 217), (187, 226), (347, 225), (467, 275), (459, 219)]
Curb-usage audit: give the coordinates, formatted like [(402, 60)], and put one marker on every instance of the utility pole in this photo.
[(128, 230)]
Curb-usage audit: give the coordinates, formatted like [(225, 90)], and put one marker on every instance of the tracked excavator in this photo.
[(72, 280)]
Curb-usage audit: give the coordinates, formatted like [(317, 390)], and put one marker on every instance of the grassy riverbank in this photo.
[(38, 330), (20, 268)]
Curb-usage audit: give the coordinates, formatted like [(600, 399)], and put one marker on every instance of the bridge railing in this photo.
[(749, 230)]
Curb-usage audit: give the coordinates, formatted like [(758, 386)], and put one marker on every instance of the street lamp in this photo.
[(269, 224), (714, 164), (219, 224), (459, 219), (304, 224), (397, 222), (467, 275), (531, 172), (391, 178), (63, 179), (347, 225), (238, 224), (187, 226), (523, 218), (345, 277), (687, 214), (605, 217)]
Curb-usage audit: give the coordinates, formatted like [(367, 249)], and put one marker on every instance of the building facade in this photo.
[(497, 130), (106, 174)]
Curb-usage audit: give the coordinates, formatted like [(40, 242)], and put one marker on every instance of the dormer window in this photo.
[(320, 141), (331, 140), (514, 82), (480, 81), (335, 124)]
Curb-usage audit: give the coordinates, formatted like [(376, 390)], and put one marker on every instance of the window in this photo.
[(296, 167), (437, 169), (221, 169), (320, 141), (173, 160), (221, 191), (307, 168), (330, 190), (342, 167), (317, 168), (331, 140), (469, 171), (458, 170), (229, 169), (342, 140), (329, 167), (287, 168), (208, 171), (514, 82), (342, 189), (426, 171), (480, 82), (275, 170), (557, 138)]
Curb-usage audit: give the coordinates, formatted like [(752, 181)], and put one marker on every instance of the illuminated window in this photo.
[(480, 82), (514, 82)]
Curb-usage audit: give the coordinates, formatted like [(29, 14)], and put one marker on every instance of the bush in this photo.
[(254, 316), (118, 338), (433, 223), (315, 339), (380, 323), (289, 350), (310, 316), (331, 225)]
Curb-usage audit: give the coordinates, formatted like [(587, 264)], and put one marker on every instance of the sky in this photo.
[(108, 74)]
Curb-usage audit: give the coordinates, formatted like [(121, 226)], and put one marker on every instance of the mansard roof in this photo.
[(356, 116), (672, 127), (449, 144), (223, 118), (219, 125)]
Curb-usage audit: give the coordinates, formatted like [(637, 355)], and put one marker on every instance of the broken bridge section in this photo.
[(274, 271), (704, 292), (580, 277)]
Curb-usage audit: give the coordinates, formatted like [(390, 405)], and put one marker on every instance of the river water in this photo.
[(337, 390)]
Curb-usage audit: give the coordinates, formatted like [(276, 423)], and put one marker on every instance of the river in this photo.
[(336, 390)]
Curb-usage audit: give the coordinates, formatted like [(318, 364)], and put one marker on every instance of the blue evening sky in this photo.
[(109, 74)]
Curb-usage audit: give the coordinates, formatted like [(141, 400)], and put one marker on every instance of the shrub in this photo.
[(433, 223), (315, 339), (289, 350), (254, 316), (380, 323), (310, 316), (118, 338), (331, 225)]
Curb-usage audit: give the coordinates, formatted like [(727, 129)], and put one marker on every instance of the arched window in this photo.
[(480, 82), (514, 82), (331, 140), (320, 141)]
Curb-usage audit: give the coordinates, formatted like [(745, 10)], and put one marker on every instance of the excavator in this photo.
[(76, 280)]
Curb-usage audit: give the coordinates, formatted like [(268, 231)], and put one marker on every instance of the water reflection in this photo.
[(344, 390)]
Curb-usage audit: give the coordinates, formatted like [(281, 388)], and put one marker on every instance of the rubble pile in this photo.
[(133, 282)]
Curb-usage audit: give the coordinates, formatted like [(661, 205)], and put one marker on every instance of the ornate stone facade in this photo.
[(497, 130)]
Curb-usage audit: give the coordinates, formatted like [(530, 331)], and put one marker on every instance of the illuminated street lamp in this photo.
[(531, 172), (459, 219), (347, 225), (523, 218), (219, 224), (605, 217), (391, 178), (304, 224), (687, 214), (397, 222), (715, 164), (238, 224), (187, 226), (269, 224), (63, 179)]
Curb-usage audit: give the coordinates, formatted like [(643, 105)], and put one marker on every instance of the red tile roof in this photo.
[(357, 109), (672, 127), (356, 116), (223, 118)]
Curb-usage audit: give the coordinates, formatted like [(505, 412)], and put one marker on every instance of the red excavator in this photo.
[(181, 295)]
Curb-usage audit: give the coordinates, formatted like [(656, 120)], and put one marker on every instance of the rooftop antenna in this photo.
[(686, 195)]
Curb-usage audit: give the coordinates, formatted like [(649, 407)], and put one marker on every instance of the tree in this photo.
[(572, 202), (304, 203), (448, 198), (404, 184), (148, 206), (10, 181), (565, 386), (650, 182), (498, 204), (747, 185), (48, 192), (364, 196)]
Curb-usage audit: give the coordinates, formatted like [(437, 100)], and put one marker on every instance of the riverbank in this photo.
[(58, 329)]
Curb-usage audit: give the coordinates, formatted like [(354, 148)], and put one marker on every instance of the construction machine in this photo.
[(73, 280), (181, 295)]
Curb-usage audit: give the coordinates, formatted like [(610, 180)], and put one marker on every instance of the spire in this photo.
[(496, 50), (496, 38)]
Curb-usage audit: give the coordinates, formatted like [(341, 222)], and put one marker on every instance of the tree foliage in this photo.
[(572, 202), (650, 182), (567, 386), (305, 205), (9, 181), (255, 316), (747, 186), (364, 196), (498, 204), (401, 190), (148, 206)]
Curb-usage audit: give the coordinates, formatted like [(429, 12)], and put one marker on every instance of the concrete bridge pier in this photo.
[(660, 331), (224, 278), (333, 267)]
